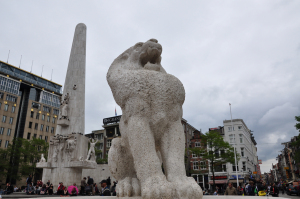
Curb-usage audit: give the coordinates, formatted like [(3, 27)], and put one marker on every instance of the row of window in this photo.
[(11, 98), (6, 143), (6, 107), (217, 153), (201, 166), (232, 138), (45, 108), (43, 117), (11, 119), (36, 127), (108, 144), (50, 99), (99, 136), (220, 168), (2, 131), (34, 135), (9, 85), (243, 168), (239, 128)]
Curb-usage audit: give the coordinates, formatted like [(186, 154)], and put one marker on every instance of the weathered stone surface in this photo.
[(152, 134), (68, 149), (204, 197), (74, 86)]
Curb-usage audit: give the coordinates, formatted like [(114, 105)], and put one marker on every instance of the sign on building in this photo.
[(259, 162)]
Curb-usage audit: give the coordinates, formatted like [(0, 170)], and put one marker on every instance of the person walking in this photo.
[(90, 183), (282, 188), (274, 191), (82, 186), (105, 190), (108, 182), (29, 181), (230, 190), (263, 189), (250, 189)]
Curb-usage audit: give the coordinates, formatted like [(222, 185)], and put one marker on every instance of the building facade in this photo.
[(111, 130), (239, 136), (29, 105), (198, 165), (289, 168)]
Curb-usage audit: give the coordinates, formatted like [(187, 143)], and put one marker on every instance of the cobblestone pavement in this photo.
[(287, 196), (259, 197)]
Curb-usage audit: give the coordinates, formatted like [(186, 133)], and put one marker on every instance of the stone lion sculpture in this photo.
[(152, 133)]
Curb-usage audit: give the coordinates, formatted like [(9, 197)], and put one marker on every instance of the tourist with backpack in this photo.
[(251, 189)]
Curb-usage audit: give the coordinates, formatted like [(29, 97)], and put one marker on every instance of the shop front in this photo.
[(234, 180), (220, 181), (202, 180)]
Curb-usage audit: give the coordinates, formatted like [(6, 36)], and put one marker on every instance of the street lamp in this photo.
[(242, 170), (250, 172), (236, 168)]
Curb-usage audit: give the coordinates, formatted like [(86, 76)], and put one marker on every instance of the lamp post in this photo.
[(236, 168), (242, 170)]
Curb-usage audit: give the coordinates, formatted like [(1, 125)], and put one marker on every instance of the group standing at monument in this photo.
[(87, 188)]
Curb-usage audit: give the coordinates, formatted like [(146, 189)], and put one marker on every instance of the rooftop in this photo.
[(29, 77)]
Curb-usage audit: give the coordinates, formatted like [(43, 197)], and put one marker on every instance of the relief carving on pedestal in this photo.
[(71, 145), (57, 144)]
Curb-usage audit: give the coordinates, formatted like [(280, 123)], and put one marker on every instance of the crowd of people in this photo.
[(87, 187), (255, 189)]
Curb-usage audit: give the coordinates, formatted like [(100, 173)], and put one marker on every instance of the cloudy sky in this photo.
[(246, 53)]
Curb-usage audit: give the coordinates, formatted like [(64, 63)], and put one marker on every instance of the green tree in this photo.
[(216, 151), (296, 144), (97, 153), (21, 157)]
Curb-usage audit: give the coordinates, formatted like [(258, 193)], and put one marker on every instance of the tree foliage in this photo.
[(216, 151), (296, 144), (21, 156), (98, 151), (297, 124)]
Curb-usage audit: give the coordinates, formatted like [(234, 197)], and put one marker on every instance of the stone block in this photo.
[(63, 122)]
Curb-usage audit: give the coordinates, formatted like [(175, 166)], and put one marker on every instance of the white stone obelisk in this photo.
[(68, 149), (75, 85)]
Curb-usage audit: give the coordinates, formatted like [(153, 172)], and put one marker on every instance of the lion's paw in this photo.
[(187, 188), (128, 187), (157, 187)]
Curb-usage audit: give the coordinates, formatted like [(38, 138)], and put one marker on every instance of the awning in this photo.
[(234, 181), (218, 181)]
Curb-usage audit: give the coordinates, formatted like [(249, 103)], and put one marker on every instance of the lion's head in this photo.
[(141, 56)]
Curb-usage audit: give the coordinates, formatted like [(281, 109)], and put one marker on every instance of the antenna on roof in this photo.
[(42, 71), (8, 56), (51, 74), (31, 66), (20, 61)]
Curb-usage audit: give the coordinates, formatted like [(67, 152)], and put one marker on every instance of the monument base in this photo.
[(204, 197), (68, 176), (74, 164), (63, 122)]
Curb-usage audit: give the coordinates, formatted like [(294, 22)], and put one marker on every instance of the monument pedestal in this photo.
[(63, 122), (204, 197), (66, 159)]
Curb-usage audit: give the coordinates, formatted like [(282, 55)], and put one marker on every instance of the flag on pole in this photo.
[(115, 111)]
